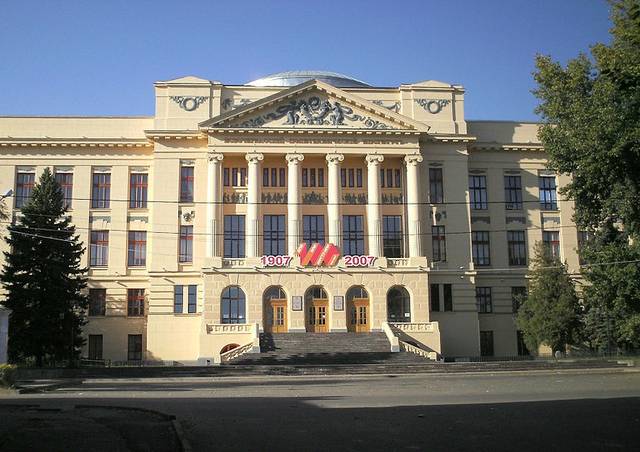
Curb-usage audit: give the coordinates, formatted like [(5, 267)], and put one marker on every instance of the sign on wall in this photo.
[(318, 255), (296, 303), (338, 303)]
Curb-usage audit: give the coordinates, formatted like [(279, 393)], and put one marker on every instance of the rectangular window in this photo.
[(486, 343), (274, 235), (234, 177), (312, 177), (97, 302), (438, 243), (389, 177), (66, 184), (192, 299), (186, 183), (226, 178), (548, 196), (313, 229), (478, 192), (517, 247), (134, 349), (552, 240), (234, 236), (274, 177), (448, 298), (186, 244), (512, 192), (382, 184), (352, 177), (353, 235), (398, 178), (135, 302), (483, 300), (392, 236), (243, 177), (343, 177), (480, 248), (583, 239), (359, 177), (265, 177), (434, 294), (101, 191), (99, 249), (24, 186), (138, 183), (305, 177), (436, 186), (282, 178), (320, 177), (95, 346), (522, 346), (518, 295), (137, 249), (178, 299)]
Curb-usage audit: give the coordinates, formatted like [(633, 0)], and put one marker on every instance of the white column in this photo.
[(413, 208), (373, 203), (293, 201), (253, 195), (213, 202), (333, 187)]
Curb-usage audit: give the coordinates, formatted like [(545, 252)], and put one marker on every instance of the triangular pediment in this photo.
[(313, 105)]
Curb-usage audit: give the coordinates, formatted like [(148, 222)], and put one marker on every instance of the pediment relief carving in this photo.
[(313, 110)]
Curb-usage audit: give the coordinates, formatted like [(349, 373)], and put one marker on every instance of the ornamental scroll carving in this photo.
[(433, 106), (315, 111), (393, 106), (189, 103)]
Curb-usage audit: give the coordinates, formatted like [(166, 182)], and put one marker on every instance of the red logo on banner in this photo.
[(316, 255)]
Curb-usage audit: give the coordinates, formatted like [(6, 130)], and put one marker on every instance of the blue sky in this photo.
[(101, 57)]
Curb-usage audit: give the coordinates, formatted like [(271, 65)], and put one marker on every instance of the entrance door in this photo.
[(359, 315), (276, 317), (317, 316)]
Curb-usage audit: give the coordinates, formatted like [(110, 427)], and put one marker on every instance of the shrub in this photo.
[(7, 375)]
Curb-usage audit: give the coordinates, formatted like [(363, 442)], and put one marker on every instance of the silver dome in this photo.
[(293, 78)]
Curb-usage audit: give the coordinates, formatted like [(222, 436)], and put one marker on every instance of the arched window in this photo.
[(357, 292), (315, 293), (398, 305), (274, 293), (232, 305)]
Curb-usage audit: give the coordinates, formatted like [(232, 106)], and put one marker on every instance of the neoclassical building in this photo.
[(299, 202)]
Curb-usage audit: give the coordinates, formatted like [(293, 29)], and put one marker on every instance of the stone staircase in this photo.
[(319, 349)]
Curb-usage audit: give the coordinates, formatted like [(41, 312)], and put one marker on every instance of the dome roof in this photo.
[(293, 78)]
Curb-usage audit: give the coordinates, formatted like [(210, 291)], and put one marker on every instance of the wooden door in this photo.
[(358, 321), (317, 316), (276, 320)]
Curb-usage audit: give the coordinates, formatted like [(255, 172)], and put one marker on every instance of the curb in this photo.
[(184, 443), (25, 389)]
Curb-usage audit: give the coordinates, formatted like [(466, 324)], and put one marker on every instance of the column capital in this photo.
[(254, 157), (334, 159), (413, 159), (374, 159), (294, 159), (215, 157)]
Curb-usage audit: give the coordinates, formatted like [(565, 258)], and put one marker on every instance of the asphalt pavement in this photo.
[(562, 410)]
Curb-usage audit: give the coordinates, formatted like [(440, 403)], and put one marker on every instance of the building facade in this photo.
[(304, 201)]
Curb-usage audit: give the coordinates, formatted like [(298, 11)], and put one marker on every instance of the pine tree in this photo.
[(43, 279), (550, 312)]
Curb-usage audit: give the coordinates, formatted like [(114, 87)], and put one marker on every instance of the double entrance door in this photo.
[(276, 318), (316, 319), (358, 315)]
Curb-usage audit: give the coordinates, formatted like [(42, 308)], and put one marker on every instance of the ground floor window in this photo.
[(135, 347), (233, 305), (95, 346), (398, 305), (486, 343)]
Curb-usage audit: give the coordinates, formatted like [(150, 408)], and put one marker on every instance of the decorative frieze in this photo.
[(486, 220), (512, 220), (273, 198), (357, 199), (230, 104), (391, 198), (234, 198), (313, 198), (189, 103), (393, 106), (433, 106)]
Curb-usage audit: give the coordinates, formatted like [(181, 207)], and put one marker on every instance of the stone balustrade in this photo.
[(236, 352), (414, 327), (397, 262), (405, 346), (234, 328), (233, 262)]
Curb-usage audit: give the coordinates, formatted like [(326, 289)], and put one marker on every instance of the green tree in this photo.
[(591, 110), (550, 312), (612, 299), (43, 279)]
